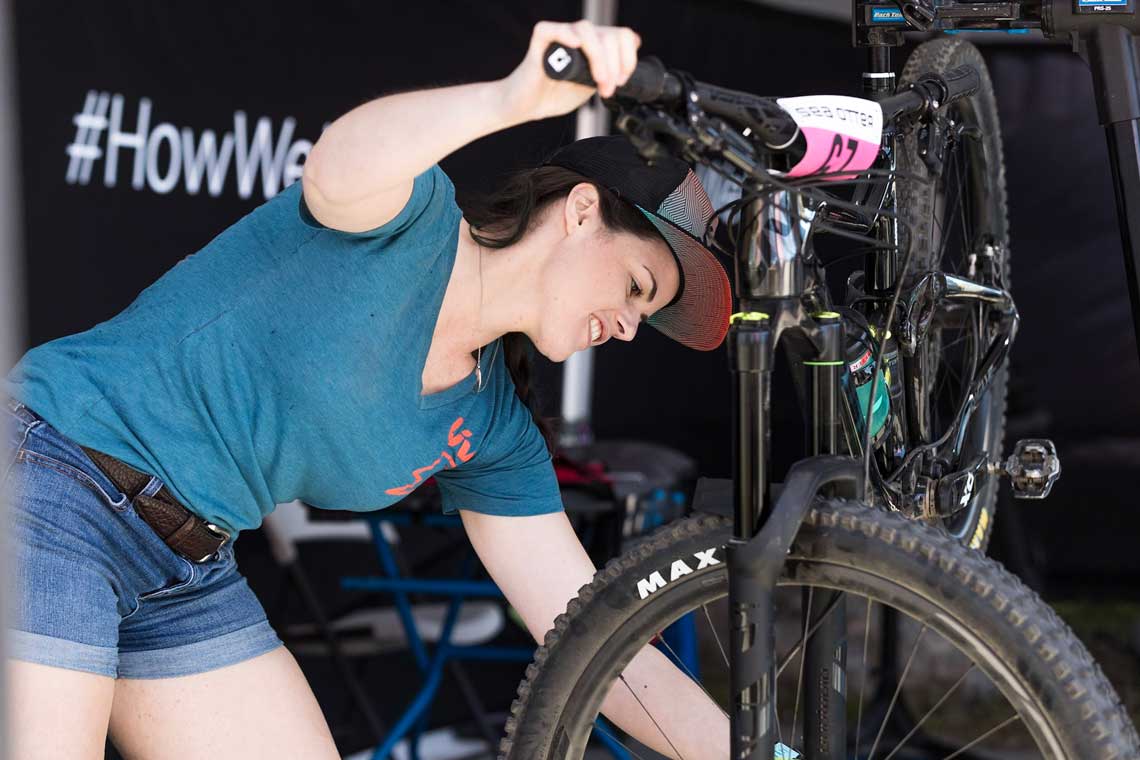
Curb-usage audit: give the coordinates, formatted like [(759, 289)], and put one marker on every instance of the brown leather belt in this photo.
[(182, 530)]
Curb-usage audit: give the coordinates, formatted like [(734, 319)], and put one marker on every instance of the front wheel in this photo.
[(947, 653)]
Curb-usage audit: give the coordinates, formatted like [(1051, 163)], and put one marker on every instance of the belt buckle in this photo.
[(218, 533)]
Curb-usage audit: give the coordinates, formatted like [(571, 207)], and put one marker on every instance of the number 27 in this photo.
[(837, 150)]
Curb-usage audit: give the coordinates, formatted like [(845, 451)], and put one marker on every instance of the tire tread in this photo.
[(1099, 713)]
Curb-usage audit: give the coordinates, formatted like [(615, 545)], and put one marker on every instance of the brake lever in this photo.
[(644, 127), (690, 134)]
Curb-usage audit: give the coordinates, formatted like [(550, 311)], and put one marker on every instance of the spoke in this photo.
[(815, 627), (953, 343), (980, 339), (776, 710), (863, 681), (688, 672), (946, 237), (948, 365), (930, 712), (898, 689), (803, 660), (716, 636), (650, 716), (984, 736), (598, 727), (939, 386), (960, 262), (967, 242), (952, 372), (941, 232)]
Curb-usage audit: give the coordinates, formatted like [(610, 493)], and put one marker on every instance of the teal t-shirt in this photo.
[(283, 361)]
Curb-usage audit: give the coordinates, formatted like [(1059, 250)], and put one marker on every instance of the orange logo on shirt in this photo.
[(455, 438)]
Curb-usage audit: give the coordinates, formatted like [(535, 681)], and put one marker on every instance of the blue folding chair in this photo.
[(432, 660)]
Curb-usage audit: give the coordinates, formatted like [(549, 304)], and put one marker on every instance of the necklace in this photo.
[(479, 350)]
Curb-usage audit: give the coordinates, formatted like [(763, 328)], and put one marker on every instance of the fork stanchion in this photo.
[(823, 374), (825, 652), (752, 633)]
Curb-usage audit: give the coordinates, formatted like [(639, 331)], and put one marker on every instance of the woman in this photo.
[(340, 344)]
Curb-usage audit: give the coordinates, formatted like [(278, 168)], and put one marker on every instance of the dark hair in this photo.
[(505, 216)]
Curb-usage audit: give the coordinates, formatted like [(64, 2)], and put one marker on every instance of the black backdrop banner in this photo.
[(147, 128)]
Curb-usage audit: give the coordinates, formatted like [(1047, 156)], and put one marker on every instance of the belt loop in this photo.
[(153, 486), (192, 537), (20, 411)]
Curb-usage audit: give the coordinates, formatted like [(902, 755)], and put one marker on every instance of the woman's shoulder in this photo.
[(424, 205)]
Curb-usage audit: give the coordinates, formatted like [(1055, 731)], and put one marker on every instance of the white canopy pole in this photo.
[(578, 371), (11, 301)]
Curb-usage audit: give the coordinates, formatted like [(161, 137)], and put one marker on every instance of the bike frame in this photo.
[(771, 282)]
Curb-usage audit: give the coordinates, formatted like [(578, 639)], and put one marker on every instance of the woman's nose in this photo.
[(627, 325)]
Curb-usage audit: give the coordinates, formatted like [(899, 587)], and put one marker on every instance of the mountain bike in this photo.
[(905, 641)]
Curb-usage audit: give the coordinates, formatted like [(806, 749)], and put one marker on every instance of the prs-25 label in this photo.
[(1105, 6)]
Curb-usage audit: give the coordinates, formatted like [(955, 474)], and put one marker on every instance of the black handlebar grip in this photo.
[(651, 83), (961, 82), (566, 64), (648, 83)]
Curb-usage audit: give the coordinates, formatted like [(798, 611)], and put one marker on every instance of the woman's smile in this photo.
[(596, 331)]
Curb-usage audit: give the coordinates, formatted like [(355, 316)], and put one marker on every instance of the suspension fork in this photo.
[(763, 532), (752, 636), (825, 649)]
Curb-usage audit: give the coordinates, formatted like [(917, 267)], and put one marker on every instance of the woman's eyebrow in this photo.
[(653, 280)]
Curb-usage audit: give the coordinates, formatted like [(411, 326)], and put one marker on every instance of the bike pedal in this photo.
[(1033, 468)]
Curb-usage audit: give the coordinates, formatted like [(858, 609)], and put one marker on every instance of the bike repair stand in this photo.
[(1103, 35), (762, 537)]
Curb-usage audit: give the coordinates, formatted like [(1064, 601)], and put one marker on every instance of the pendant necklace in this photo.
[(479, 350)]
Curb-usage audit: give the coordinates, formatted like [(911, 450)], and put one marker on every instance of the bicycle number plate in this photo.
[(842, 133)]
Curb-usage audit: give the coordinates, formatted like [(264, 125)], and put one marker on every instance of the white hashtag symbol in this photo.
[(89, 125)]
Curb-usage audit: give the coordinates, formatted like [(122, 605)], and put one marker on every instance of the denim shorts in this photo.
[(92, 587)]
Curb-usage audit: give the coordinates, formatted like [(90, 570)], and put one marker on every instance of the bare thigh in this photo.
[(54, 712), (260, 708)]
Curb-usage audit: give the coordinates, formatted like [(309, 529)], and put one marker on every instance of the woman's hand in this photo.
[(611, 51), (359, 175)]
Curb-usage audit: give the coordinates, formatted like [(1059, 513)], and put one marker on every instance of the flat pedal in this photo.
[(1032, 468)]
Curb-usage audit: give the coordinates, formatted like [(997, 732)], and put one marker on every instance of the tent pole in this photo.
[(578, 370)]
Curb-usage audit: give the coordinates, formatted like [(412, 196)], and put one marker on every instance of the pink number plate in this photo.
[(842, 133)]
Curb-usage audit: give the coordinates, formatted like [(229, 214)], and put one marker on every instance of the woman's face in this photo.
[(599, 284)]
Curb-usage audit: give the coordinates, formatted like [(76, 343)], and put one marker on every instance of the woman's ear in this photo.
[(581, 208)]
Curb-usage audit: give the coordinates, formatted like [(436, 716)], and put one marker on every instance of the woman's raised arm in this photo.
[(359, 174)]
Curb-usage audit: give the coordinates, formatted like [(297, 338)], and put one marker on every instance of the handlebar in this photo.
[(930, 93), (653, 84), (649, 83)]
